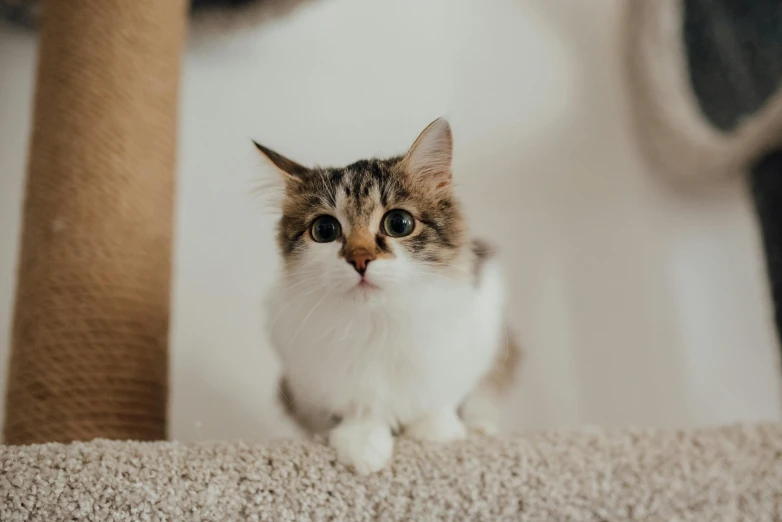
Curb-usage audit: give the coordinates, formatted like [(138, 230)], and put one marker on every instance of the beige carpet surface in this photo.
[(714, 474)]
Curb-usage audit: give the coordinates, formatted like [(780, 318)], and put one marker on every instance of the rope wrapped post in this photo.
[(89, 349)]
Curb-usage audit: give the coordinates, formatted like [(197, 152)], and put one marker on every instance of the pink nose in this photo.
[(360, 261)]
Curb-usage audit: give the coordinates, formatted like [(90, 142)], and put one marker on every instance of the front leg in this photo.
[(438, 426), (366, 445)]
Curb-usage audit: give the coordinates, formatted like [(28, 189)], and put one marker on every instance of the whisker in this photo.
[(304, 272), (276, 316), (304, 322), (301, 283), (507, 343), (287, 305), (315, 290)]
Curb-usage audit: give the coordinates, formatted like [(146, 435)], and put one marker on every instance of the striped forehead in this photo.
[(356, 192), (359, 195)]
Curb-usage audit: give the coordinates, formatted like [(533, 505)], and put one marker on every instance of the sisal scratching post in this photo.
[(89, 354)]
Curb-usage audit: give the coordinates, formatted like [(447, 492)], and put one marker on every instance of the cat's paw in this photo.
[(365, 446), (442, 426), (483, 427)]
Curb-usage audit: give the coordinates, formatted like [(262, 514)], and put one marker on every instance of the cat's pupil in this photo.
[(398, 223), (326, 229)]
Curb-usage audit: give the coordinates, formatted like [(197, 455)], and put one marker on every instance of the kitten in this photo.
[(387, 317)]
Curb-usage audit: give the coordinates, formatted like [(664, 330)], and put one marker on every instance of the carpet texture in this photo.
[(714, 474)]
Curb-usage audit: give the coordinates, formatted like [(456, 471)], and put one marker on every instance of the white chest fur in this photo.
[(408, 352)]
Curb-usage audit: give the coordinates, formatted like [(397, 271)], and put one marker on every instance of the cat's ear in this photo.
[(429, 159), (289, 168)]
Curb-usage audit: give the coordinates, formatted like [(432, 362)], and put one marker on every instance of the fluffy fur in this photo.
[(416, 343)]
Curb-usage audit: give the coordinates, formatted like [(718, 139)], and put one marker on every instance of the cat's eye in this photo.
[(398, 223), (325, 229)]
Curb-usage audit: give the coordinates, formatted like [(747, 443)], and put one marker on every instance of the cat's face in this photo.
[(373, 226)]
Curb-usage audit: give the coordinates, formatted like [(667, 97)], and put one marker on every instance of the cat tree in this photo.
[(89, 355)]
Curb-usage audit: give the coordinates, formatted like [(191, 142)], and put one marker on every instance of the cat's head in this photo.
[(375, 225)]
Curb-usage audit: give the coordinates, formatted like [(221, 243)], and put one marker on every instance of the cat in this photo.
[(387, 317)]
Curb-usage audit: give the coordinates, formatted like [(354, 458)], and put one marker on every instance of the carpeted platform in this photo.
[(717, 474)]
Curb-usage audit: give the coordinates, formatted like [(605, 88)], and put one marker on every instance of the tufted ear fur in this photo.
[(289, 168), (429, 159), (272, 187)]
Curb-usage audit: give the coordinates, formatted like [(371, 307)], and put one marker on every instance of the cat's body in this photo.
[(387, 318), (424, 348)]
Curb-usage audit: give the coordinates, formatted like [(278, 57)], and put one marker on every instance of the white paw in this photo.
[(483, 427), (365, 446), (443, 426)]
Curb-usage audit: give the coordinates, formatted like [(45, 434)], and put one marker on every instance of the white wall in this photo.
[(636, 305)]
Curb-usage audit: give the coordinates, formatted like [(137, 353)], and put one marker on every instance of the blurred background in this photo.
[(637, 303)]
